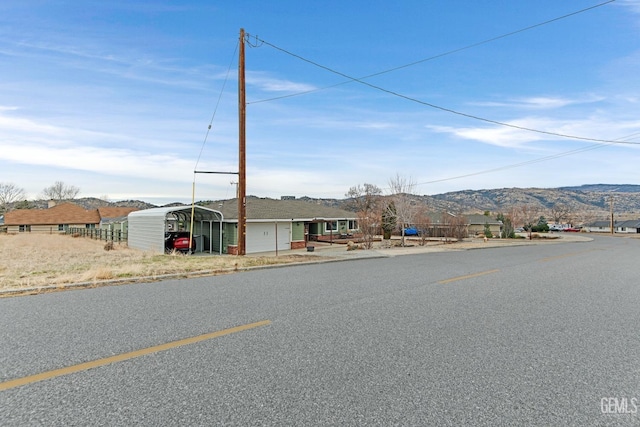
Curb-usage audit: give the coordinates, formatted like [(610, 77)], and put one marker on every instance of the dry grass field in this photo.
[(43, 260)]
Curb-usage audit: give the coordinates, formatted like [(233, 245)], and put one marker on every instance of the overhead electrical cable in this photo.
[(529, 162), (440, 55), (448, 110), (224, 84)]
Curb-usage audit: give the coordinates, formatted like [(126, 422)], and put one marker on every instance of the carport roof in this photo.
[(200, 213)]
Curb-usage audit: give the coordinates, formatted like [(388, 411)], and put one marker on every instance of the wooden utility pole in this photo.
[(611, 219), (242, 185)]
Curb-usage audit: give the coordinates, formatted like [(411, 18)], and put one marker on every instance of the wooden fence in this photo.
[(107, 235)]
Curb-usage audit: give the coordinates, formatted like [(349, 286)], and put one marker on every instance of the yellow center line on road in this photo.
[(468, 276), (553, 258), (126, 356)]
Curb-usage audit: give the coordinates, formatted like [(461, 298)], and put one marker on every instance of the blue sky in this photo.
[(115, 97)]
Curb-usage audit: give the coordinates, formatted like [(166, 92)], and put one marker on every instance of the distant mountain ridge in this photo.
[(88, 203), (606, 188), (592, 198)]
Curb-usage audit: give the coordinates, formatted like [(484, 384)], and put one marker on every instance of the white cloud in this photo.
[(634, 5), (593, 127), (540, 102), (272, 84)]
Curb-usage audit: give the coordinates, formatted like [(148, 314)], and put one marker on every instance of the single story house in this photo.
[(271, 225), (628, 227), (58, 218), (283, 224), (478, 222), (603, 226), (624, 227), (441, 224)]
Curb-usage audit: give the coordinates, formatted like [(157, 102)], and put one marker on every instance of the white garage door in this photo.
[(261, 237)]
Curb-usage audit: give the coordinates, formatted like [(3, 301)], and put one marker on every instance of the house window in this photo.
[(90, 226), (353, 224), (24, 228), (331, 226), (60, 227)]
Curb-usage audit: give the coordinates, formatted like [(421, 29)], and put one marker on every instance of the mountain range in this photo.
[(593, 200)]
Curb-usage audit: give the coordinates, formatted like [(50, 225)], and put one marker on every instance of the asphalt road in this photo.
[(530, 335)]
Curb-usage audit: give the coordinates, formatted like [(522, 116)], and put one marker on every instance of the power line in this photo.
[(440, 55), (529, 162), (445, 109), (224, 84), (450, 110)]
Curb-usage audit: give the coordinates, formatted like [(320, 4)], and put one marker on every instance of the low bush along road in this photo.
[(530, 335)]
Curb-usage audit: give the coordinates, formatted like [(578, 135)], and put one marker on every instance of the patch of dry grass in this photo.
[(37, 260)]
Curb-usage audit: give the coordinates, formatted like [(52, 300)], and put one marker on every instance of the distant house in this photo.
[(628, 227), (441, 224), (478, 223), (599, 227), (58, 218)]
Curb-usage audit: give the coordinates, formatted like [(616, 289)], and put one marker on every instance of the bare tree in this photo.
[(515, 213), (459, 227), (445, 226), (9, 193), (401, 189), (530, 216), (363, 197), (365, 200), (508, 231), (60, 191), (422, 222), (560, 213)]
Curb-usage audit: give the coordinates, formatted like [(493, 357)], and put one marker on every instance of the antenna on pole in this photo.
[(242, 185)]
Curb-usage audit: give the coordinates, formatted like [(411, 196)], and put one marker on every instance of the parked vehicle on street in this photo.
[(178, 241), (411, 231)]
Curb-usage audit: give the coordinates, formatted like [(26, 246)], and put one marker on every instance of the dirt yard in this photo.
[(45, 260)]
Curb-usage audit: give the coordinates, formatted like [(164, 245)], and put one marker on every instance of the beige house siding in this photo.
[(479, 229), (44, 228)]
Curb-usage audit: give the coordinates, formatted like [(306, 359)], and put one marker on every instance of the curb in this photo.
[(8, 293), (328, 258)]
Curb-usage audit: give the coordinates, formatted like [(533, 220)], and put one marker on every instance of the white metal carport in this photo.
[(147, 227)]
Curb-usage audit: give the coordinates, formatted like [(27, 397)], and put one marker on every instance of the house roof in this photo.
[(108, 212), (602, 223), (482, 219), (632, 223), (262, 209), (65, 213), (472, 219)]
